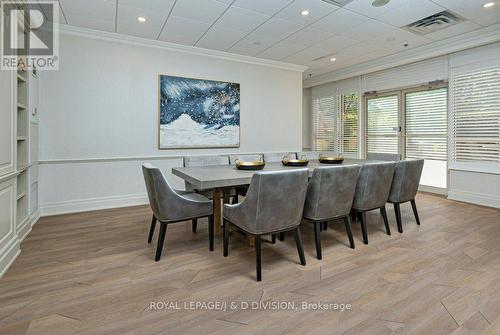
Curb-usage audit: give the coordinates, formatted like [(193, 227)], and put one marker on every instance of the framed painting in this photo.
[(198, 113)]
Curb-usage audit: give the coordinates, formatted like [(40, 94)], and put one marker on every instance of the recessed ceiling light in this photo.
[(304, 12), (488, 4), (141, 19), (380, 3), (333, 59)]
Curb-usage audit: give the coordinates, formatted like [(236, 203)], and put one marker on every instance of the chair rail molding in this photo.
[(115, 37), (465, 41)]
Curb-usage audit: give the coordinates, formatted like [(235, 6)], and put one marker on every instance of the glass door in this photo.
[(383, 126), (425, 132)]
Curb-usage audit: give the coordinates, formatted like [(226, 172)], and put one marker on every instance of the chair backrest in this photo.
[(278, 156), (314, 155), (406, 180), (162, 197), (382, 157), (245, 158), (373, 186), (205, 160), (330, 192), (275, 200), (310, 155)]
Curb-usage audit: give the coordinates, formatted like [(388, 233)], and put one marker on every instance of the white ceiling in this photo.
[(274, 29)]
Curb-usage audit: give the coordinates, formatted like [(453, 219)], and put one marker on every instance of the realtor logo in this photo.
[(30, 38)]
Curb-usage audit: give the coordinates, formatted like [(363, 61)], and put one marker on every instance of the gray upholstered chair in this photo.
[(265, 209), (278, 156), (405, 186), (382, 157), (195, 161), (171, 206), (310, 155), (372, 191), (329, 196)]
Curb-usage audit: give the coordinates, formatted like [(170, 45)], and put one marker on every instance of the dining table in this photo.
[(221, 177)]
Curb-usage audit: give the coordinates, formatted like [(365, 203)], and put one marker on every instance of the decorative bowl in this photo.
[(331, 160), (256, 165), (295, 162)]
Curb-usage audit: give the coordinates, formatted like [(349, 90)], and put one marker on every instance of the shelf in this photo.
[(20, 78), (22, 138), (20, 196), (21, 106)]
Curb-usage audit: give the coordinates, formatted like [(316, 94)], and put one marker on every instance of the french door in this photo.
[(410, 124)]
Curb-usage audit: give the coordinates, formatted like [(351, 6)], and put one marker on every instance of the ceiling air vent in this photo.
[(434, 23), (340, 3)]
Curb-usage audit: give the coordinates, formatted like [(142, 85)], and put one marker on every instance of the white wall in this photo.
[(99, 118), (469, 186)]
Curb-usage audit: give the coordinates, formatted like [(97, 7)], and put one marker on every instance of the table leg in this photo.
[(218, 210)]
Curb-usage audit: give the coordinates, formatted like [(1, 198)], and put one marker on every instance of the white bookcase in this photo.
[(18, 159)]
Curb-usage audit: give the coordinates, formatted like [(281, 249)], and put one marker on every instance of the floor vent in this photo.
[(434, 23), (340, 3)]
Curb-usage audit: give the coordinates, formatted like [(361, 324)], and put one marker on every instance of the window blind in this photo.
[(476, 116), (347, 121), (425, 124), (382, 125), (324, 123)]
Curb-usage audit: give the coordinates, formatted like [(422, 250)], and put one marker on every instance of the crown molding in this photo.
[(469, 40), (138, 41)]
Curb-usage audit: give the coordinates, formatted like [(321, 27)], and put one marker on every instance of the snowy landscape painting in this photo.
[(198, 113)]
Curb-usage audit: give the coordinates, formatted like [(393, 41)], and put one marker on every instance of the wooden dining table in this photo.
[(221, 177)]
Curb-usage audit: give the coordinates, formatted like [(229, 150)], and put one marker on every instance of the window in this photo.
[(348, 107), (476, 117), (336, 123), (324, 123), (382, 128), (425, 124)]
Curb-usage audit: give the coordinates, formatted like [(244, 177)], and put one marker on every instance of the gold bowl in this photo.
[(295, 162), (331, 160), (256, 165)]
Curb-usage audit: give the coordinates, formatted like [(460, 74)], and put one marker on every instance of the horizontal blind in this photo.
[(382, 125), (324, 123), (426, 124), (476, 116), (348, 107)]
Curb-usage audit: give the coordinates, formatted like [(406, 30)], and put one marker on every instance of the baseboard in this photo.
[(475, 198), (24, 229), (35, 217), (85, 205), (433, 189), (9, 255)]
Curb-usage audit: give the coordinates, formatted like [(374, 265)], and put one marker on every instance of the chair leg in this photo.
[(415, 212), (194, 225), (152, 229), (298, 242), (258, 265), (397, 211), (317, 239), (281, 237), (161, 239), (348, 228), (362, 219), (386, 222), (211, 232), (225, 229), (273, 238), (325, 225)]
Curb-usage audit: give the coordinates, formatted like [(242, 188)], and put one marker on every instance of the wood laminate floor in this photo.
[(93, 273)]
